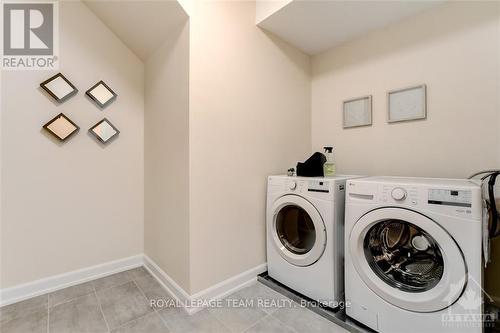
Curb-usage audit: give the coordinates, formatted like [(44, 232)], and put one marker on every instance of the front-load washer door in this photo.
[(298, 230), (407, 259)]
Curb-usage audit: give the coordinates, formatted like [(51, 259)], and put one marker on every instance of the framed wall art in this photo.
[(407, 104), (357, 112)]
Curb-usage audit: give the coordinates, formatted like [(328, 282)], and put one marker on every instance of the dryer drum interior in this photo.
[(403, 255), (295, 229)]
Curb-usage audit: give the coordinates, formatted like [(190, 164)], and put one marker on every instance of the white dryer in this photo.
[(305, 235), (413, 254)]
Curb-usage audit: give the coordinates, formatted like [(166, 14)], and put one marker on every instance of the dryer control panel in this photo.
[(310, 187), (305, 186), (318, 186)]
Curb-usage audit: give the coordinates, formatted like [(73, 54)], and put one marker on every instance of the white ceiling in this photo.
[(316, 26), (141, 25)]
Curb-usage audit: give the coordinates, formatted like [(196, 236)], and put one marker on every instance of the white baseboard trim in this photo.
[(61, 281), (39, 287), (227, 287), (166, 281), (217, 291)]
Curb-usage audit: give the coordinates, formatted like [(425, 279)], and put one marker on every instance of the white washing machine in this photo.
[(413, 254), (305, 234)]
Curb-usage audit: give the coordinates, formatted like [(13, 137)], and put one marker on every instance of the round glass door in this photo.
[(298, 230), (404, 255), (407, 259), (295, 229)]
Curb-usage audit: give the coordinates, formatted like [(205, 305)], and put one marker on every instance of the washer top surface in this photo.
[(420, 181)]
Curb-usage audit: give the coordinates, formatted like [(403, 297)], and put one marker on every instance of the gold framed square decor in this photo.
[(61, 127), (59, 88), (104, 131), (101, 94)]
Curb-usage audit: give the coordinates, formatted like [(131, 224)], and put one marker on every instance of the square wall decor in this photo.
[(104, 131), (59, 87), (407, 104), (358, 112), (101, 94), (61, 127)]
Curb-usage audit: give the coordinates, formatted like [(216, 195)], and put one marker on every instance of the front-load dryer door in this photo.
[(298, 231), (407, 259)]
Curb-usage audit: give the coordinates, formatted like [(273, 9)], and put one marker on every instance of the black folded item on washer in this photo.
[(312, 167)]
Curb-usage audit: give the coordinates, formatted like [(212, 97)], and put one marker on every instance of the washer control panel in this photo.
[(454, 201), (450, 197), (400, 195)]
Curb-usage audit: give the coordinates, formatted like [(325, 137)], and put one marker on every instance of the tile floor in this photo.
[(120, 303)]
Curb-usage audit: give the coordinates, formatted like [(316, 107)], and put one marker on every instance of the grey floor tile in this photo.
[(303, 320), (152, 289), (67, 294), (33, 322), (202, 321), (237, 316), (18, 309), (81, 314), (269, 324), (150, 323), (139, 272), (122, 304), (112, 280), (264, 297)]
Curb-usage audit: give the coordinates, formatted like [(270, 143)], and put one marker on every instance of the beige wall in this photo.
[(167, 156), (265, 8), (249, 118), (453, 49), (72, 205)]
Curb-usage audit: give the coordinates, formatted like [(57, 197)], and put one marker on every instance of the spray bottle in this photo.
[(329, 169)]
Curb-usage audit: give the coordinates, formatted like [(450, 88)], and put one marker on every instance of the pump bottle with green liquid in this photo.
[(329, 169)]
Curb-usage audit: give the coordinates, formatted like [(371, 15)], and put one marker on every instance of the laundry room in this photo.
[(250, 166)]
